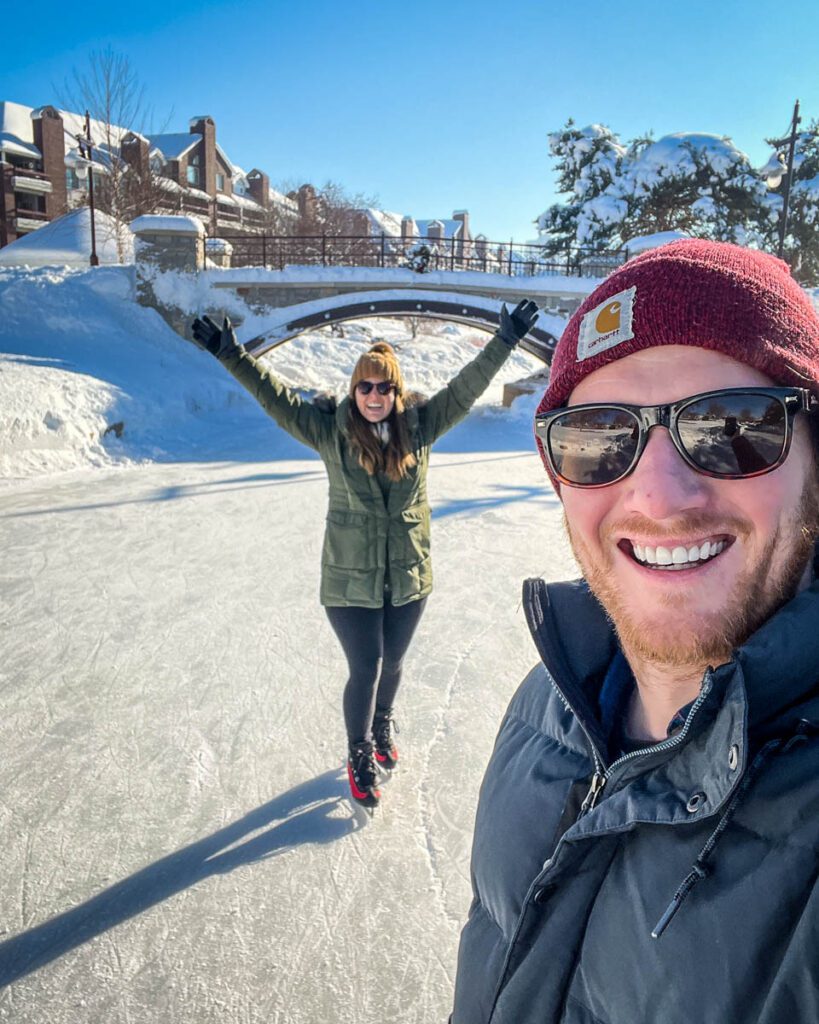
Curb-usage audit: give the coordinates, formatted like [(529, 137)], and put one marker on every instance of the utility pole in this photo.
[(790, 142), (87, 153)]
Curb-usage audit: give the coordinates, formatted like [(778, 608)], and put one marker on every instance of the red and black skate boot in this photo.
[(386, 752), (361, 772)]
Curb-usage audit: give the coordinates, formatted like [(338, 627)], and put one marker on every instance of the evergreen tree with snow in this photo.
[(587, 164), (697, 184), (694, 183)]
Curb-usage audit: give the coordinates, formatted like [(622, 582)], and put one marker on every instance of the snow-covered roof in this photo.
[(66, 241), (16, 131), (169, 185), (174, 144), (246, 201), (452, 228), (280, 199), (225, 158), (17, 137), (384, 222), (241, 186)]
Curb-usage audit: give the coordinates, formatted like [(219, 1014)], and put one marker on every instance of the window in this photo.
[(23, 162), (72, 181), (220, 182), (27, 201), (194, 176)]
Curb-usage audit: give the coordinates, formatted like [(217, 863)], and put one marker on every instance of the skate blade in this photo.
[(361, 812)]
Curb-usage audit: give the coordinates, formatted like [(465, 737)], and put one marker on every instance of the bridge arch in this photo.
[(480, 311)]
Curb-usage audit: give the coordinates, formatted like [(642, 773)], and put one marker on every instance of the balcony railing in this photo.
[(40, 215), (31, 181), (28, 220)]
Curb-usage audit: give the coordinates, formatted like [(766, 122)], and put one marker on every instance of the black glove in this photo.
[(518, 323), (325, 402), (219, 341)]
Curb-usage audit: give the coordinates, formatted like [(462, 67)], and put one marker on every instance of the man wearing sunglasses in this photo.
[(647, 838)]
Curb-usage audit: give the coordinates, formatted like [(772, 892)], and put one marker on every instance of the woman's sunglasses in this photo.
[(383, 387), (729, 434)]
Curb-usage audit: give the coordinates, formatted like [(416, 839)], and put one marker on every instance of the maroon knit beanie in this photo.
[(741, 302)]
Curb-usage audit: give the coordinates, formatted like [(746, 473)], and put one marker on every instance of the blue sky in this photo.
[(435, 106)]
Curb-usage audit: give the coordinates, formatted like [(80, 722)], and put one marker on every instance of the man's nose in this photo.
[(663, 484)]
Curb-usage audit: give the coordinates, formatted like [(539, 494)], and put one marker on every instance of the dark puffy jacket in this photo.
[(710, 838), (367, 537)]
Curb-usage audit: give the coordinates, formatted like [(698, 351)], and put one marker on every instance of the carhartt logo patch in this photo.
[(607, 325)]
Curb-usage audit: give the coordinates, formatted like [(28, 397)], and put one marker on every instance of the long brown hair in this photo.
[(395, 459)]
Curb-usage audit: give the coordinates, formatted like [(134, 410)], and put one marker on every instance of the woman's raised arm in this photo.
[(302, 420), (453, 402)]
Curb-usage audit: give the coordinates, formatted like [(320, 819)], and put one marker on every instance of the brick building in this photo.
[(42, 173)]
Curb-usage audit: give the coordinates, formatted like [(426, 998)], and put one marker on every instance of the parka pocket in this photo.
[(409, 536), (349, 540)]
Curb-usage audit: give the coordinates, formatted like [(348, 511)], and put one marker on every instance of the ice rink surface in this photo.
[(178, 843)]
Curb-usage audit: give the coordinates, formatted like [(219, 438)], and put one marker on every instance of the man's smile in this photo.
[(676, 555)]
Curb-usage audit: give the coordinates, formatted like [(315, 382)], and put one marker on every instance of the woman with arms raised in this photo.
[(376, 572)]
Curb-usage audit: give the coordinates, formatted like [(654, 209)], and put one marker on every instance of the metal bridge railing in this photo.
[(420, 254)]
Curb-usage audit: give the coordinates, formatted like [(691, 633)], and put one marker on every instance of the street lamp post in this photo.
[(790, 142), (87, 153)]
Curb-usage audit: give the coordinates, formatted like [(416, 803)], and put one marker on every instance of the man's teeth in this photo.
[(679, 557)]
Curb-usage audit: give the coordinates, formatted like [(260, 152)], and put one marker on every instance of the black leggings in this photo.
[(375, 641)]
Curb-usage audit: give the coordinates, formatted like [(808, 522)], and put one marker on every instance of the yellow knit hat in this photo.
[(380, 361)]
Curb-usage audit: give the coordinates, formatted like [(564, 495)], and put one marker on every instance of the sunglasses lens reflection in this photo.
[(735, 435), (594, 446)]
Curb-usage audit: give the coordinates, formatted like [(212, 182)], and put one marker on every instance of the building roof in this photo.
[(16, 131), (174, 144), (384, 222), (225, 158), (452, 228)]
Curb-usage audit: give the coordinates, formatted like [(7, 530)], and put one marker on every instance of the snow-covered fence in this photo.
[(422, 254)]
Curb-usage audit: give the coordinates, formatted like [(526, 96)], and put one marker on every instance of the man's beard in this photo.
[(755, 596)]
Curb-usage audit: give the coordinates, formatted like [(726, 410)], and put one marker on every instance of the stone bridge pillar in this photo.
[(163, 244)]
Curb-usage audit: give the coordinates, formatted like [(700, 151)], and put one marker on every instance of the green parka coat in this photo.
[(375, 531)]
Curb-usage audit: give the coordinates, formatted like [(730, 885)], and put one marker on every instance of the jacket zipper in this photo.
[(660, 747), (599, 779), (602, 774)]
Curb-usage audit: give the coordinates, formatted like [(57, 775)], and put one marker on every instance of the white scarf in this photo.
[(382, 432)]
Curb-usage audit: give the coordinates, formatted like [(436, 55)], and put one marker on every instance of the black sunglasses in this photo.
[(729, 434), (383, 387)]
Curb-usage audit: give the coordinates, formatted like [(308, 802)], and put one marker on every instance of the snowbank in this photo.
[(90, 378), (66, 241)]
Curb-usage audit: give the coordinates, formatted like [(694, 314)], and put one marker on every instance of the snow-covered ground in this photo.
[(177, 843)]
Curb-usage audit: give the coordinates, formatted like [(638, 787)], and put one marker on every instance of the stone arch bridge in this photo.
[(171, 274)]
